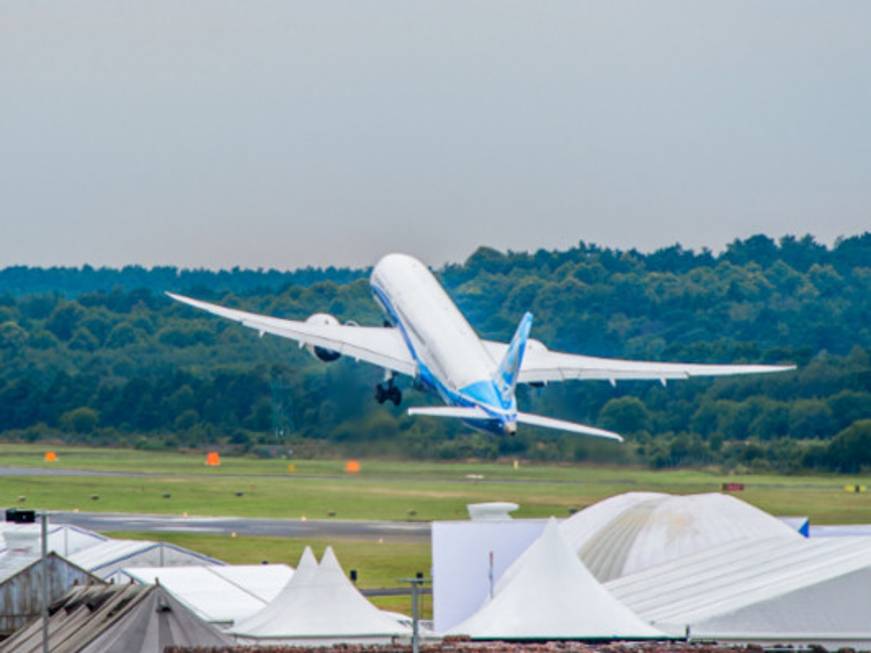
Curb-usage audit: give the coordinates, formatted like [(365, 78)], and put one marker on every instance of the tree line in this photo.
[(102, 356)]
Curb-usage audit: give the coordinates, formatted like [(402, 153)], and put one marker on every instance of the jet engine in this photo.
[(321, 353)]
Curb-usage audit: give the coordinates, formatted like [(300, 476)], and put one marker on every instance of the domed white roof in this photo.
[(635, 531)]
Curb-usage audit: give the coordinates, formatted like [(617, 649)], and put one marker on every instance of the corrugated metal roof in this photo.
[(116, 619), (731, 576)]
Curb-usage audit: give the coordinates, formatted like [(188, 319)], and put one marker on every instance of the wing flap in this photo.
[(382, 346)]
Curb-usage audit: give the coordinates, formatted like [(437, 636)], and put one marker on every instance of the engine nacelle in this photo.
[(321, 353)]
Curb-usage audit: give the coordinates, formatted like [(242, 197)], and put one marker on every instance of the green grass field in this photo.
[(388, 490)]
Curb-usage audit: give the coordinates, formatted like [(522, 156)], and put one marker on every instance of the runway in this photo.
[(310, 528)]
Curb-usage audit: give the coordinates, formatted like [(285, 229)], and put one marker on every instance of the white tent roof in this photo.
[(549, 594), (106, 558), (62, 538), (319, 602), (786, 589), (629, 533), (218, 594)]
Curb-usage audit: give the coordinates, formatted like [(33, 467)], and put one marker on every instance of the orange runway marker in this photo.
[(352, 467)]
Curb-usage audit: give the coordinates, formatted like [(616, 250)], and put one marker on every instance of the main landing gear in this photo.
[(388, 392)]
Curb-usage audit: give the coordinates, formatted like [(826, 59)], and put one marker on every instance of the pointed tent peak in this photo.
[(305, 571), (550, 539), (551, 542), (330, 571), (307, 559), (329, 560)]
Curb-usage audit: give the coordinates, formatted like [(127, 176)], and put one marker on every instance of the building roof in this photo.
[(585, 523), (549, 594), (21, 585), (784, 587), (218, 594), (109, 557), (62, 538), (629, 533), (116, 619), (319, 602)]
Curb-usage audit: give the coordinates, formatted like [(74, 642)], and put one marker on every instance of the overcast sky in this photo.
[(278, 134)]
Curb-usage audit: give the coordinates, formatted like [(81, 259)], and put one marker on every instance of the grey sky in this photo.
[(278, 134)]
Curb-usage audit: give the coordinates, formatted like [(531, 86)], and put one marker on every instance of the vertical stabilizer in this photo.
[(509, 368)]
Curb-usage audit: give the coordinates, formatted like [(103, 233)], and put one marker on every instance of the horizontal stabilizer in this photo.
[(462, 412), (459, 412), (562, 425)]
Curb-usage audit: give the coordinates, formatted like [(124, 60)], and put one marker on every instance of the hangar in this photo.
[(21, 574), (765, 590)]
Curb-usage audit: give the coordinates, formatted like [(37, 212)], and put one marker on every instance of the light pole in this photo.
[(17, 516), (44, 565), (416, 583)]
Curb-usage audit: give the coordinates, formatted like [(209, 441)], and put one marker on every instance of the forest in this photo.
[(101, 356)]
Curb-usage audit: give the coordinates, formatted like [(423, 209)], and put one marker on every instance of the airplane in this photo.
[(427, 338)]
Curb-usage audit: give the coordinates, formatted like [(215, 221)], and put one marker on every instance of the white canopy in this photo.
[(319, 603), (549, 594), (62, 538), (110, 557), (219, 594)]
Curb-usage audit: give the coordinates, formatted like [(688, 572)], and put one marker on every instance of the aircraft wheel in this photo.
[(395, 395), (380, 394)]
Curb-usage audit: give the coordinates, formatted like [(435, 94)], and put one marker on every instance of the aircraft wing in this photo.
[(382, 346), (543, 366)]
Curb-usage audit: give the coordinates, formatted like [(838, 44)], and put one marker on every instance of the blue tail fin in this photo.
[(509, 369)]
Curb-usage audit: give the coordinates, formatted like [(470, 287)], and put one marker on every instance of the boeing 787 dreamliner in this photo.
[(429, 339)]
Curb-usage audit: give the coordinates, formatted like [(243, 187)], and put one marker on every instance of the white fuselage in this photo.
[(451, 358)]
